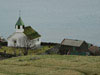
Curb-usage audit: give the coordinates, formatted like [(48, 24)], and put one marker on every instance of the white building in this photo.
[(24, 36)]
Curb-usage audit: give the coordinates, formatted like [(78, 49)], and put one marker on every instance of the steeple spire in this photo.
[(19, 13), (19, 26), (20, 22)]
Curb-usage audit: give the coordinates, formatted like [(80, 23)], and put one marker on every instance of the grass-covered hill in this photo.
[(51, 65)]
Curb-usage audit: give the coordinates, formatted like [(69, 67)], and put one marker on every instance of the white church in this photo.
[(24, 36)]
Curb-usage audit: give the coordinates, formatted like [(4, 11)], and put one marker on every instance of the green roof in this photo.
[(31, 33), (19, 22)]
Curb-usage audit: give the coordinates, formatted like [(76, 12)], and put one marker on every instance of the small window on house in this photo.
[(18, 27)]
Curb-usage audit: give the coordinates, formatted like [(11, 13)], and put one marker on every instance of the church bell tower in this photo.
[(19, 25)]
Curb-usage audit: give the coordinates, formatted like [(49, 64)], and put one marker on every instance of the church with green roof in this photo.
[(24, 36)]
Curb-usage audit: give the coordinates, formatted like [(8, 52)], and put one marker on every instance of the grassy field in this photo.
[(10, 50), (51, 65)]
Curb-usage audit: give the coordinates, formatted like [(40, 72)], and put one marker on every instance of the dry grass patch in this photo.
[(51, 65)]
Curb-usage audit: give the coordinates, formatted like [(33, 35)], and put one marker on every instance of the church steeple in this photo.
[(19, 26), (20, 22)]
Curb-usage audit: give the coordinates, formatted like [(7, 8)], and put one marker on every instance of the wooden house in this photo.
[(70, 46)]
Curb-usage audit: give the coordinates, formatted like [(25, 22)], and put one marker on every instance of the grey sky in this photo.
[(54, 19)]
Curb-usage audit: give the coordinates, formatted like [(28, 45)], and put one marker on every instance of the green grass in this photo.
[(51, 65), (10, 50)]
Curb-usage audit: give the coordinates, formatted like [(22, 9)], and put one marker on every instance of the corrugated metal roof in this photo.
[(71, 42)]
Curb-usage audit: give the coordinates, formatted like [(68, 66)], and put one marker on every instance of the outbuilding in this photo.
[(70, 46)]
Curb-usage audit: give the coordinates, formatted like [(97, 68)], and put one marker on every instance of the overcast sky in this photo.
[(54, 19)]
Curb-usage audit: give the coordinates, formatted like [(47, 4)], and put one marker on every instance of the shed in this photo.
[(71, 46)]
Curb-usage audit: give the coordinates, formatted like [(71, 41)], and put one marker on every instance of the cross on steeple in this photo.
[(19, 13), (20, 22)]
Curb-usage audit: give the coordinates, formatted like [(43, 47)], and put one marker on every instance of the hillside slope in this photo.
[(51, 65)]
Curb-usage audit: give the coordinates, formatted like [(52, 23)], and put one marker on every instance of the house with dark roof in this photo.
[(25, 36), (70, 46)]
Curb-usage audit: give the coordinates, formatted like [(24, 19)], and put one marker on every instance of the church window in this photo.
[(15, 42), (18, 27), (23, 27), (37, 39)]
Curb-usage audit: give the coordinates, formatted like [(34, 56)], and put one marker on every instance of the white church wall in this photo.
[(15, 37), (35, 42), (21, 41), (31, 43), (10, 43)]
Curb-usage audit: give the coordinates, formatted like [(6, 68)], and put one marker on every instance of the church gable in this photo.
[(31, 33)]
